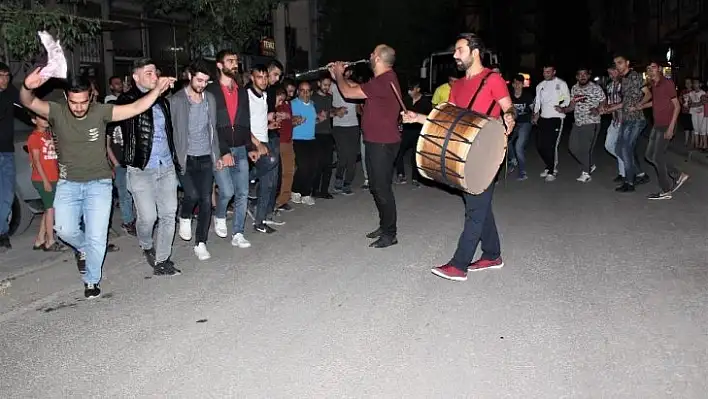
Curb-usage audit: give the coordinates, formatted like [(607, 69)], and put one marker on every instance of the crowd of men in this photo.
[(215, 136)]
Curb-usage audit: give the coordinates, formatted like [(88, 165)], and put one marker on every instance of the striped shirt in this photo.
[(614, 96)]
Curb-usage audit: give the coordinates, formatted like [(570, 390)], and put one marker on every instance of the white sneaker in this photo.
[(185, 229), (584, 177), (220, 227), (296, 198), (544, 174), (550, 177), (202, 252), (308, 200), (238, 240)]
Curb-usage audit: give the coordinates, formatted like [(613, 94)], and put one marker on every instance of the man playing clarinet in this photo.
[(485, 92)]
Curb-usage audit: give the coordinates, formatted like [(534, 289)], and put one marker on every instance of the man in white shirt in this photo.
[(551, 93), (265, 167), (346, 137)]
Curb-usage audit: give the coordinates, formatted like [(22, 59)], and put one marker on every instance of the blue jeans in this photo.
[(233, 183), (92, 202), (265, 171), (626, 144), (517, 145), (479, 227), (125, 199), (7, 188), (613, 132)]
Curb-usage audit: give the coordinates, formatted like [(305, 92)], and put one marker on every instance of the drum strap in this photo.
[(443, 161)]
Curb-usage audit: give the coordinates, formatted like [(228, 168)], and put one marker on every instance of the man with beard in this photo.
[(85, 188), (487, 93), (198, 154), (586, 98), (233, 126), (381, 135), (614, 97), (149, 155)]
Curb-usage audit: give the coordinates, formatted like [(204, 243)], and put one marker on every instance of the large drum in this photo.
[(460, 148)]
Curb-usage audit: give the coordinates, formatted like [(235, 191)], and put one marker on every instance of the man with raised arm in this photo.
[(85, 188)]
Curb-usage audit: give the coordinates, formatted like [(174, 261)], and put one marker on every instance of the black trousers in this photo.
[(348, 144), (380, 159), (409, 142), (547, 139), (306, 161), (197, 183), (325, 158)]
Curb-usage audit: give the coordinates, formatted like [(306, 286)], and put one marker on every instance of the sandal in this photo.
[(112, 248), (55, 247), (38, 247)]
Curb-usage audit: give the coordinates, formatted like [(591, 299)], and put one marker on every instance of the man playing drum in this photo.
[(484, 92)]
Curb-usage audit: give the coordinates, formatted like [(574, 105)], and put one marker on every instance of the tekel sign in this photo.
[(268, 47)]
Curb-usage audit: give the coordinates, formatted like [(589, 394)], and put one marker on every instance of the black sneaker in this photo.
[(643, 179), (347, 191), (150, 256), (324, 195), (5, 241), (264, 228), (92, 291), (625, 188), (129, 228), (619, 179), (166, 268), (660, 196), (286, 208), (80, 261), (375, 234)]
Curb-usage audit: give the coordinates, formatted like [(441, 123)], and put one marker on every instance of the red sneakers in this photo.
[(484, 264), (450, 272)]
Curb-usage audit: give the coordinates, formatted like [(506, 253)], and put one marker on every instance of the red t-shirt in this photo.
[(662, 93), (286, 125), (381, 110), (231, 97), (494, 89), (43, 142)]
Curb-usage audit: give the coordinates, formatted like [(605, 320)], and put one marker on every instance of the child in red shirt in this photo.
[(45, 174)]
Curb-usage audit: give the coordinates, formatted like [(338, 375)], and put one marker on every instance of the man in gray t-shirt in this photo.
[(322, 100)]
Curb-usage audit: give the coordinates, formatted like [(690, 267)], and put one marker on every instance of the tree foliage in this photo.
[(19, 25), (217, 22)]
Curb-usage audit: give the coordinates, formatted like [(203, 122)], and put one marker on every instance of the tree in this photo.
[(20, 22), (217, 22)]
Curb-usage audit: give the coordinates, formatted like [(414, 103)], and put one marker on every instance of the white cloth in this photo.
[(549, 94), (259, 115), (695, 96), (349, 119), (56, 61)]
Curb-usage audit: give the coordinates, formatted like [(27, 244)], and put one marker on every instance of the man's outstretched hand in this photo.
[(35, 80)]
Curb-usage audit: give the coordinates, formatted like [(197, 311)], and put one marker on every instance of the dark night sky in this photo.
[(417, 28)]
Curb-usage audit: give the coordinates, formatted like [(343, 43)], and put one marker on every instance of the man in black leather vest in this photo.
[(149, 155)]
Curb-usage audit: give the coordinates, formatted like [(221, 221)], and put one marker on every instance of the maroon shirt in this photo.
[(381, 110), (662, 93)]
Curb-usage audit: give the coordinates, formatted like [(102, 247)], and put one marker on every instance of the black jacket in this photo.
[(238, 134), (138, 131)]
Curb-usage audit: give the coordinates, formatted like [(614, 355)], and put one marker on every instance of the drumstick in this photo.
[(398, 97)]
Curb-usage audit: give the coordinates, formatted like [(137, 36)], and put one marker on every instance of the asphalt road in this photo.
[(603, 296)]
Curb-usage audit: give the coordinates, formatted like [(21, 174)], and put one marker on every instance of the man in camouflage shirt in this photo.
[(632, 124)]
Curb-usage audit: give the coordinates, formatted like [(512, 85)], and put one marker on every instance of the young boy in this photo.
[(45, 174)]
